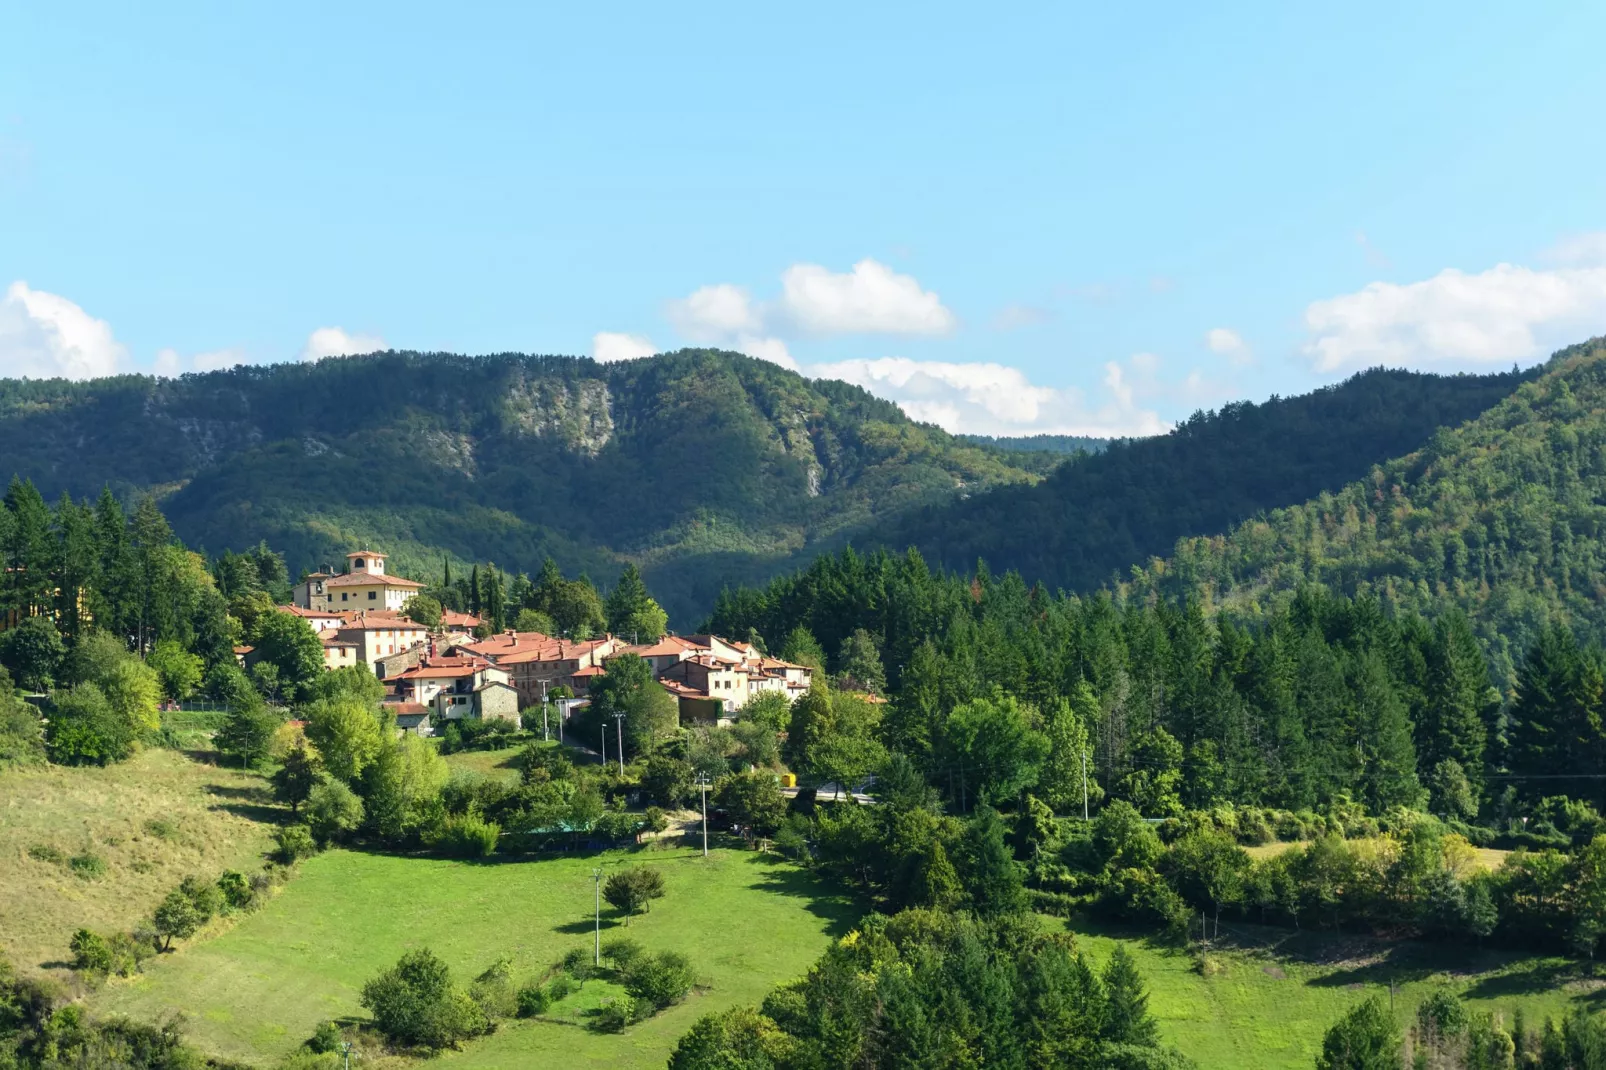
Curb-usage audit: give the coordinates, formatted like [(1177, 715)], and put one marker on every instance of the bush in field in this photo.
[(494, 992), (659, 981), (633, 889), (91, 954), (293, 843), (332, 811), (469, 836), (614, 1015), (414, 1003)]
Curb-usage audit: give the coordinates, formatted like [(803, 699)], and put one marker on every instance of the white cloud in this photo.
[(995, 399), (872, 298), (1578, 250), (609, 346), (1230, 344), (771, 349), (169, 363), (714, 313), (338, 342), (1507, 313), (44, 336)]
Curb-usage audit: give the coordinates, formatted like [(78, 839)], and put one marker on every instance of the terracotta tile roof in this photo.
[(364, 553), (451, 618), (506, 642), (368, 579), (668, 645), (589, 670), (404, 709), (363, 622), (680, 690), (244, 649), (444, 669), (309, 614)]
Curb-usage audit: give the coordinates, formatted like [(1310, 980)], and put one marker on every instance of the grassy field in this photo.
[(491, 763), (1268, 1006), (747, 921), (149, 822)]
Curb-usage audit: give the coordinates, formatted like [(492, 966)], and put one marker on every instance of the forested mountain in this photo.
[(1500, 517), (697, 464), (1095, 517), (1054, 444)]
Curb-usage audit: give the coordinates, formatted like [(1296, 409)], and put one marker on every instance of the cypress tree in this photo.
[(1126, 1003)]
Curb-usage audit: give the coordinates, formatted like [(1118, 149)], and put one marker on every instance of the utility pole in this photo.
[(546, 734), (702, 784), (345, 1051), (1084, 785), (605, 747), (619, 726), (596, 875)]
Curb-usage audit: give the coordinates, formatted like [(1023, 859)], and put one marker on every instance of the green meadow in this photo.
[(255, 992)]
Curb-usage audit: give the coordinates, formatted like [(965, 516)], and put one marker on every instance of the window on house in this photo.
[(371, 595), (342, 596), (357, 563)]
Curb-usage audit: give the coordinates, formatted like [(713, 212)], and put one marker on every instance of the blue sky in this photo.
[(1052, 217)]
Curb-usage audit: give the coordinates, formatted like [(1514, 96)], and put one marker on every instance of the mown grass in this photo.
[(77, 846), (746, 921), (491, 763), (1272, 997)]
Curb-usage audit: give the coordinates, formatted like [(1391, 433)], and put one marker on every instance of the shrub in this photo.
[(206, 896), (1253, 828), (87, 866), (493, 990), (44, 852), (656, 819), (91, 953), (577, 963), (469, 836), (560, 987), (415, 1003), (659, 980), (325, 1039), (622, 951), (294, 842), (533, 1000), (633, 889), (237, 893), (176, 917), (614, 1015), (162, 828), (332, 810)]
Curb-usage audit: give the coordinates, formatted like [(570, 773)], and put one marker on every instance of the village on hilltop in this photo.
[(454, 670)]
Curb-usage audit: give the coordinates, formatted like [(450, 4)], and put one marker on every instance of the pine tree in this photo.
[(1383, 735), (1126, 1003), (628, 598), (1452, 722)]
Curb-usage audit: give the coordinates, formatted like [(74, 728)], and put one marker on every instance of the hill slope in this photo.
[(1502, 517), (1096, 516), (680, 461)]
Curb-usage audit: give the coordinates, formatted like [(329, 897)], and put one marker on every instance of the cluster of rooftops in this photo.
[(447, 672)]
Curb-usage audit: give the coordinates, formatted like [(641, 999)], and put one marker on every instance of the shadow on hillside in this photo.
[(782, 878), (254, 804), (1542, 976)]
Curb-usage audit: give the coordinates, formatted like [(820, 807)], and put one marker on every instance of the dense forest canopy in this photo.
[(704, 468), (1096, 516), (1500, 518), (693, 464)]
